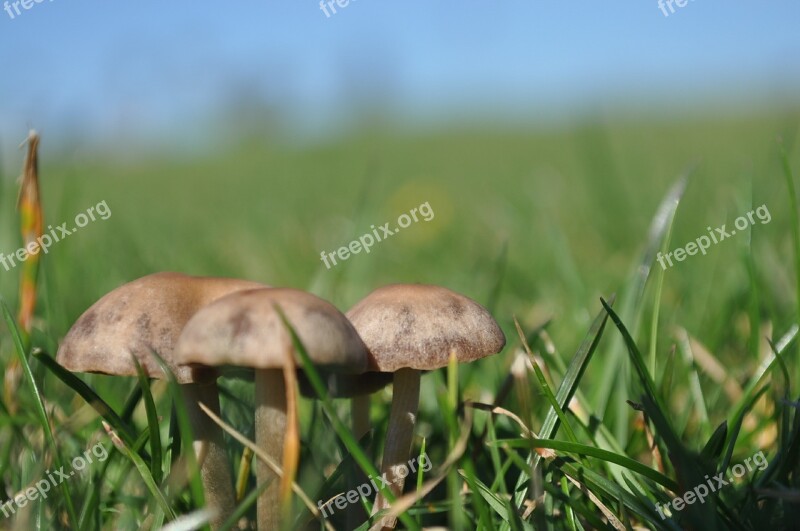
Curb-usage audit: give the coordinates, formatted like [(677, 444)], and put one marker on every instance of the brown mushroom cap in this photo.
[(416, 326), (245, 329), (143, 316)]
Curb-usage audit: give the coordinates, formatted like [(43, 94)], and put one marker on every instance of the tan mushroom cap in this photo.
[(245, 330), (416, 326), (143, 316)]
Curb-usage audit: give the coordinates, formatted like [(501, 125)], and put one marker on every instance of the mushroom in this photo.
[(146, 316), (245, 329), (409, 328)]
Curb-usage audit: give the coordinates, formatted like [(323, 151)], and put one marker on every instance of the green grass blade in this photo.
[(479, 503), (147, 477), (344, 433), (609, 491), (689, 466), (91, 503), (631, 305), (420, 471), (241, 510), (156, 463), (665, 229), (737, 426), (763, 369), (668, 374), (571, 523), (186, 434), (685, 347), (566, 390), (635, 356), (494, 501), (713, 448), (591, 451), (795, 218), (89, 395), (41, 413), (548, 392), (326, 490)]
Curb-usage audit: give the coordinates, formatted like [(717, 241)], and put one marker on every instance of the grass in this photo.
[(622, 403)]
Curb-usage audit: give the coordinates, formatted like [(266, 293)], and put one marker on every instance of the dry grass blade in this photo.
[(711, 366), (244, 471), (291, 445), (526, 432), (31, 227), (270, 463), (613, 520), (31, 223), (641, 423), (532, 358)]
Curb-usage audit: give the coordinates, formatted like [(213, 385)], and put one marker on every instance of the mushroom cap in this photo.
[(416, 326), (244, 329), (141, 317)]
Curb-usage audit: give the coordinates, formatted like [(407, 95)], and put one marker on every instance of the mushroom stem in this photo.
[(271, 425), (359, 411), (210, 450), (399, 436)]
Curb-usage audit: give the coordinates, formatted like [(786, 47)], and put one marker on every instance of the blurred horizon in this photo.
[(172, 74)]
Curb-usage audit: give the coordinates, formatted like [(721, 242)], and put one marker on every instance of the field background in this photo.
[(244, 141), (537, 225)]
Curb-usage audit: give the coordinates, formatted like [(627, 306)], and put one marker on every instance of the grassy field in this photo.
[(536, 226)]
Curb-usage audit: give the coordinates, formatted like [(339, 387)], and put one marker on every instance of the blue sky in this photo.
[(100, 69)]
